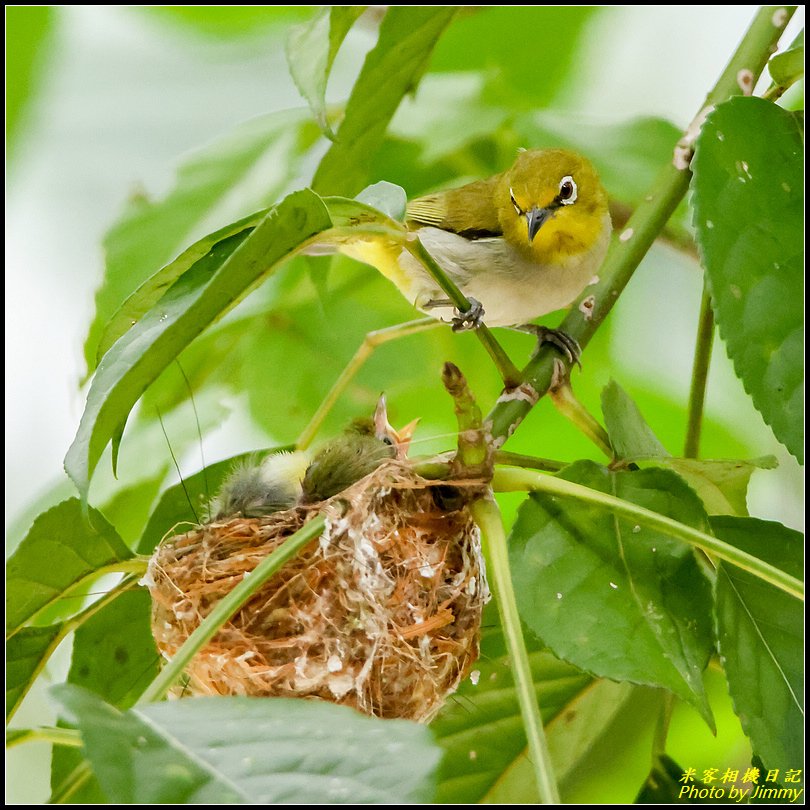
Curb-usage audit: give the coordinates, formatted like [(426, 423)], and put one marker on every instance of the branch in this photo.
[(508, 371)]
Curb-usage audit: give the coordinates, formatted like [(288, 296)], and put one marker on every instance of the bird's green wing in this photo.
[(469, 210)]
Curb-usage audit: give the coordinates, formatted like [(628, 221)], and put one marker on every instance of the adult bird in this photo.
[(519, 244)]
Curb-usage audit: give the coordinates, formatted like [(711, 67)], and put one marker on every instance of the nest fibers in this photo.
[(382, 612)]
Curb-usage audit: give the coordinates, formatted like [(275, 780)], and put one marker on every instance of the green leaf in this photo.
[(630, 435), (156, 286), (788, 67), (61, 551), (487, 39), (480, 728), (721, 484), (311, 51), (408, 35), (761, 640), (747, 200), (386, 197), (252, 750), (617, 600), (114, 654), (26, 652), (223, 22), (242, 172), (28, 29), (197, 298)]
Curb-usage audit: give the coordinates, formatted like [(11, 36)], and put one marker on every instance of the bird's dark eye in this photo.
[(518, 209), (568, 190)]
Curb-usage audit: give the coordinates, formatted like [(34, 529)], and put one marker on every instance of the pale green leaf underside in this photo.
[(311, 51), (630, 435), (252, 750)]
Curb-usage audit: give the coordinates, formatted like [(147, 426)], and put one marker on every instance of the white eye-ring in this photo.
[(519, 210), (568, 190)]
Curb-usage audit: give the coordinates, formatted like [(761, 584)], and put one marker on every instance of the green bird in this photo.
[(358, 451), (283, 480), (254, 489), (519, 244)]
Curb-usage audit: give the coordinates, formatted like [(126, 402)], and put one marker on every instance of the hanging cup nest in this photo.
[(382, 612)]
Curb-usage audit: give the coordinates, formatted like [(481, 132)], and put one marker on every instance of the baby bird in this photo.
[(358, 451), (284, 480), (257, 489)]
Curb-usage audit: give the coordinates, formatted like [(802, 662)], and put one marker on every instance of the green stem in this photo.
[(371, 341), (65, 630), (566, 402), (662, 725), (227, 606), (647, 221), (69, 737), (700, 374), (530, 462), (511, 480), (493, 539), (509, 372), (72, 783)]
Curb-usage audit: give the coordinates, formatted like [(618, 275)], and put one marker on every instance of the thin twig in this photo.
[(700, 375)]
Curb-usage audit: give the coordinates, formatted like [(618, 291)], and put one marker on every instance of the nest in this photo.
[(382, 612)]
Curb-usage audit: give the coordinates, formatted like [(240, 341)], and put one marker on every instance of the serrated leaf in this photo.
[(243, 171), (61, 550), (761, 640), (722, 484), (747, 200), (311, 51), (204, 292), (252, 750), (25, 653), (616, 600), (629, 432), (408, 35)]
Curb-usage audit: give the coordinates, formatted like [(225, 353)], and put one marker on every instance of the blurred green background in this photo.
[(103, 103)]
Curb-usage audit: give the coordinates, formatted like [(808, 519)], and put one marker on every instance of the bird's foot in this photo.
[(561, 341), (462, 321)]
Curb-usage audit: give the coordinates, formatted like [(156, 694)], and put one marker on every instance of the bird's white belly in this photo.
[(511, 289)]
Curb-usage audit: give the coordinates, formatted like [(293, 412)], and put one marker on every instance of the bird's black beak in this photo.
[(535, 219)]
